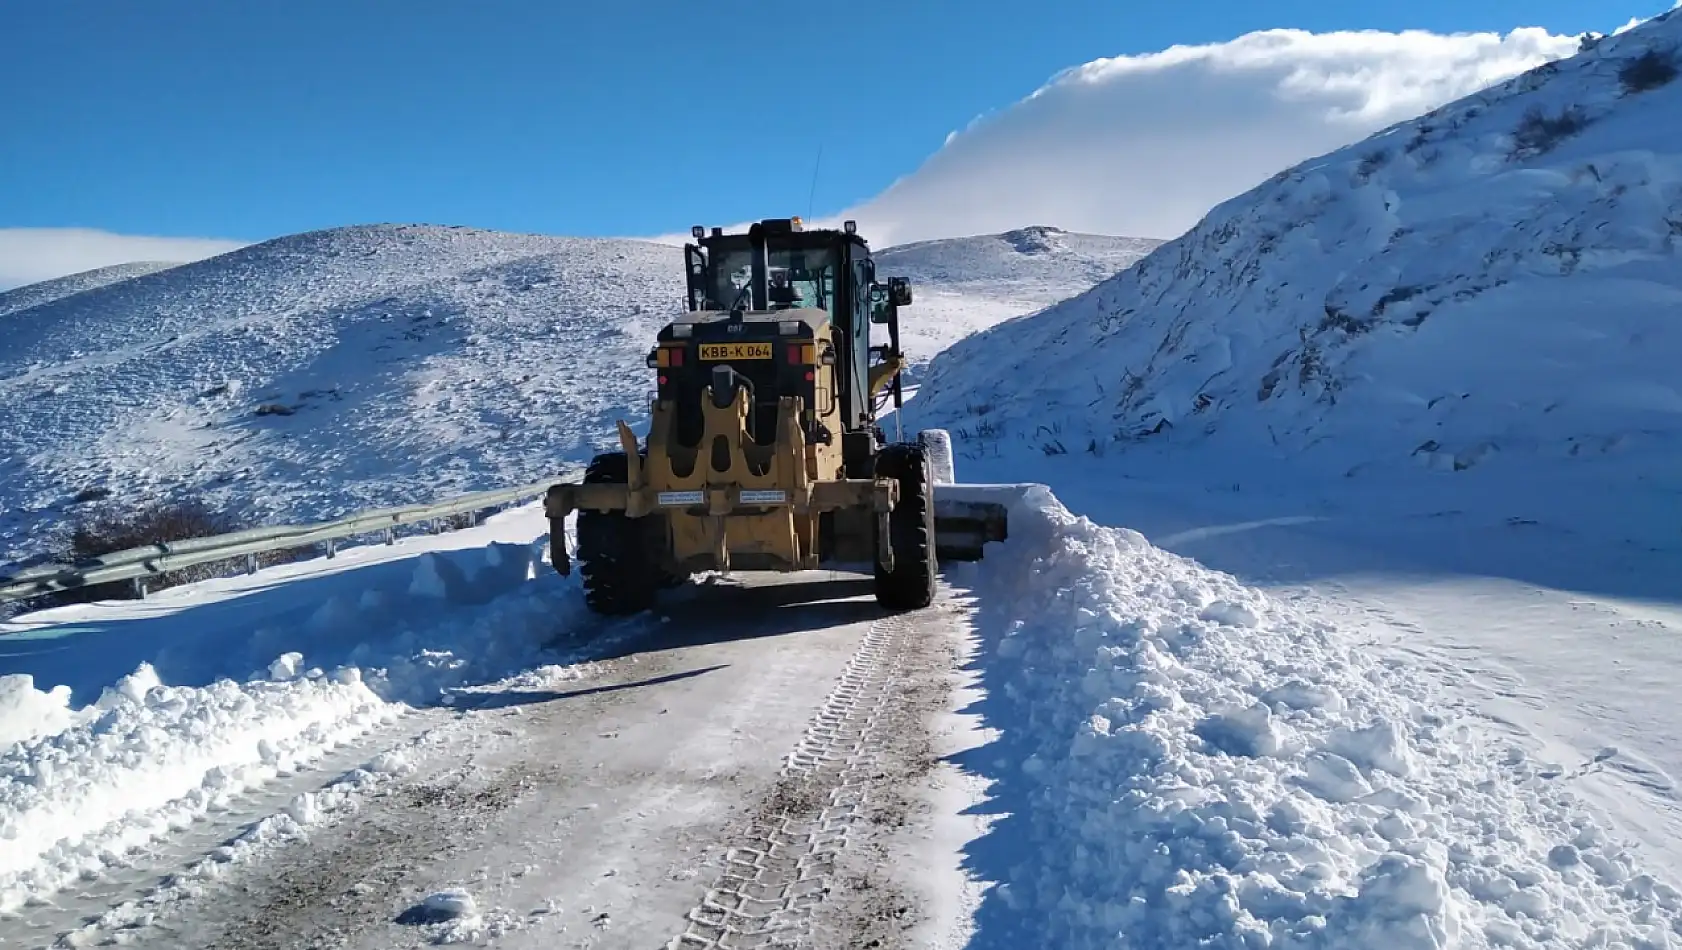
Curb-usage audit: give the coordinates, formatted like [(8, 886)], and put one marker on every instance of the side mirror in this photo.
[(879, 303), (900, 291)]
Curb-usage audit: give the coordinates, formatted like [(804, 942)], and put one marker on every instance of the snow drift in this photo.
[(1497, 277), (1186, 761)]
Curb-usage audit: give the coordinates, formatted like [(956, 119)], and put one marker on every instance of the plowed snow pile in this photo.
[(1190, 762), (1498, 278), (250, 679)]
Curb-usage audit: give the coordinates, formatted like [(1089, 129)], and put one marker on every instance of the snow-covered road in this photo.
[(603, 793), (598, 811)]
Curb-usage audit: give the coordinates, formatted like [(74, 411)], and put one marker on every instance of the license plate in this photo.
[(682, 498), (750, 496), (735, 351)]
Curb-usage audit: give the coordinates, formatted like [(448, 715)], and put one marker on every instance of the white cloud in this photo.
[(1146, 145), (28, 255)]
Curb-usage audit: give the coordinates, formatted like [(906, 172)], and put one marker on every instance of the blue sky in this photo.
[(248, 120)]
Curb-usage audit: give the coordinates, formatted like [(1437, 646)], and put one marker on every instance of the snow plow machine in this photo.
[(763, 451)]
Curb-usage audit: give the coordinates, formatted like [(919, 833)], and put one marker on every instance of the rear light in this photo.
[(677, 356), (802, 354)]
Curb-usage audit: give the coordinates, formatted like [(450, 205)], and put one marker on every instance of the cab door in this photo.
[(858, 349)]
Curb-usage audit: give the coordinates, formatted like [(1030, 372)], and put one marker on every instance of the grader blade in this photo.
[(963, 527)]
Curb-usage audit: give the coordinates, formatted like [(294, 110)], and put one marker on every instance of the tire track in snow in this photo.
[(783, 864)]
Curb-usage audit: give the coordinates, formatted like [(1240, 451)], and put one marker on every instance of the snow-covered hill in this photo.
[(328, 371), (1497, 279), (47, 291), (338, 370), (967, 284)]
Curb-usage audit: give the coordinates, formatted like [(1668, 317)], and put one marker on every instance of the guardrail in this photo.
[(138, 564)]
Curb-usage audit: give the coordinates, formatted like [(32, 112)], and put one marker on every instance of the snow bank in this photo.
[(1193, 763), (155, 757), (82, 787)]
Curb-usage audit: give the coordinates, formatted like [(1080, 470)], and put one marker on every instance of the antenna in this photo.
[(813, 194)]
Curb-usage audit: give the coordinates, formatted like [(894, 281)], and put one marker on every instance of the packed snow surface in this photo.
[(1184, 760), (1497, 279)]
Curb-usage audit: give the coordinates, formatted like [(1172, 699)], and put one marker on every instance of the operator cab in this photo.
[(777, 305)]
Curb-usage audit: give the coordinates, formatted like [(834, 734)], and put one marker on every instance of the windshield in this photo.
[(794, 277), (809, 275), (731, 271)]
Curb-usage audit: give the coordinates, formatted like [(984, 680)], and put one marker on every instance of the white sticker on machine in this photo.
[(763, 496)]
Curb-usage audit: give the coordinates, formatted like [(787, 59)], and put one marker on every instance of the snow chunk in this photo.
[(453, 916), (1229, 613), (451, 904), (1381, 745), (1404, 902), (286, 666), (27, 712), (1249, 732)]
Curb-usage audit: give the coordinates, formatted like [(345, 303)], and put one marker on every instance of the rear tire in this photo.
[(911, 584), (619, 574)]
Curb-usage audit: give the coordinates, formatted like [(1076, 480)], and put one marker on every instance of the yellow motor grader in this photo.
[(763, 451)]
